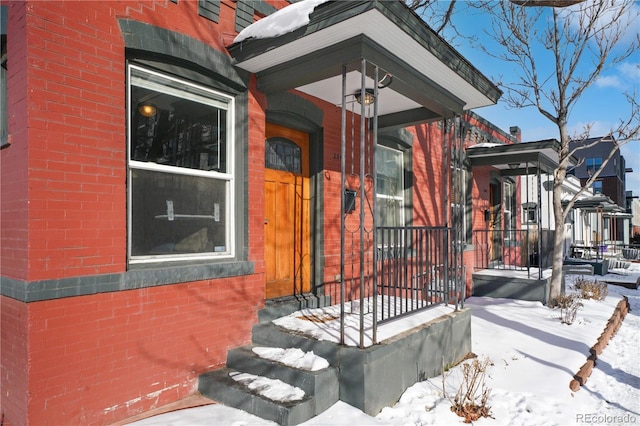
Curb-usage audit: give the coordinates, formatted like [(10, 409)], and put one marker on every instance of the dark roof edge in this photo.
[(332, 12), (397, 11), (489, 124)]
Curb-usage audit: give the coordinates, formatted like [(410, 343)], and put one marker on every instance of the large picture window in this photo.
[(180, 169)]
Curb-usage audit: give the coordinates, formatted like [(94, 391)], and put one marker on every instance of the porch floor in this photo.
[(409, 349), (324, 323), (503, 271)]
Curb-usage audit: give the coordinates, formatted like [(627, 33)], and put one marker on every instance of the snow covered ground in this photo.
[(534, 356)]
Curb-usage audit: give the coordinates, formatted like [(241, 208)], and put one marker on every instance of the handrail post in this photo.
[(343, 150)]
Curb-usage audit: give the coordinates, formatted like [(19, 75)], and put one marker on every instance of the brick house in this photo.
[(140, 229)]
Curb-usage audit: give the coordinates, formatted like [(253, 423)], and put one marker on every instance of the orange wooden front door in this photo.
[(287, 231)]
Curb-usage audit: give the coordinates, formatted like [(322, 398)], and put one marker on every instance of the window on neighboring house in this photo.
[(510, 215), (390, 187), (593, 164), (210, 9), (529, 213), (4, 112), (571, 217), (597, 187), (461, 198), (180, 169)]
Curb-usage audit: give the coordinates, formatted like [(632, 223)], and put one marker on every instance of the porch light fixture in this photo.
[(514, 166), (147, 110), (369, 97)]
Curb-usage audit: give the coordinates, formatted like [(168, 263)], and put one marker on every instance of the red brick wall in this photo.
[(332, 178), (429, 173), (14, 188), (100, 358), (77, 134), (14, 343), (77, 131), (97, 359)]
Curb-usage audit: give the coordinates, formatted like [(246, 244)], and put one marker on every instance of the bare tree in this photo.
[(431, 12), (440, 16), (559, 53)]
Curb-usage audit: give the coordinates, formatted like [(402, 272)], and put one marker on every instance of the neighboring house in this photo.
[(578, 225), (163, 187), (611, 182)]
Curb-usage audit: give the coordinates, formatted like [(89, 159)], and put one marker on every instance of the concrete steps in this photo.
[(321, 388), (221, 387), (322, 385)]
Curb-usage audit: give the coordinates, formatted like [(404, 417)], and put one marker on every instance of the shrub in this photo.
[(591, 289), (569, 305), (471, 395)]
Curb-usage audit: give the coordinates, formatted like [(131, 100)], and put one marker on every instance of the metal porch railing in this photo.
[(508, 249), (414, 270)]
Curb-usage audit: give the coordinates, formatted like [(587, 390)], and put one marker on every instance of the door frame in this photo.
[(291, 110), (301, 246)]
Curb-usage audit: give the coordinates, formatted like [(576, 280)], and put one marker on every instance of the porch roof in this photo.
[(598, 203), (518, 159), (428, 80)]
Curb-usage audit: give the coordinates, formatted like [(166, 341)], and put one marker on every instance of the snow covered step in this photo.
[(269, 334), (267, 398), (305, 370)]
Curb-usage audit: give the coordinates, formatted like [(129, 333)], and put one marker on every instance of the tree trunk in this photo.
[(558, 241), (559, 175)]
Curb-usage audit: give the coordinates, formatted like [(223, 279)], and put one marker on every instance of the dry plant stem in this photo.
[(472, 394)]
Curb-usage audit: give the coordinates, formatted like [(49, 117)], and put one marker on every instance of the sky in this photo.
[(601, 106), (529, 370)]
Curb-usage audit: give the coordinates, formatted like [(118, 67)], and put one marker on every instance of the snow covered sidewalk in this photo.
[(534, 358)]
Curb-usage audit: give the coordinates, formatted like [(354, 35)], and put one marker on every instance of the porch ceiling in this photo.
[(518, 159), (429, 80)]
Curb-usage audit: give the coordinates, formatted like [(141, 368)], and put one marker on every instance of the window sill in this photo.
[(162, 273)]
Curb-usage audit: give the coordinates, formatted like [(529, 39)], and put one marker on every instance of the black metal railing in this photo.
[(509, 249), (414, 270)]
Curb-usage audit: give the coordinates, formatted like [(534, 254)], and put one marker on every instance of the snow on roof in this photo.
[(283, 21), (485, 145)]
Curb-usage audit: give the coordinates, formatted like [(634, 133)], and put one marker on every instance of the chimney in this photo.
[(516, 134)]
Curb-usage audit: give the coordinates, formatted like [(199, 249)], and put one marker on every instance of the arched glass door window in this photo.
[(283, 154)]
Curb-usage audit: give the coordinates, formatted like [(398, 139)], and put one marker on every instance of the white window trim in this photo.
[(228, 177), (400, 197)]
